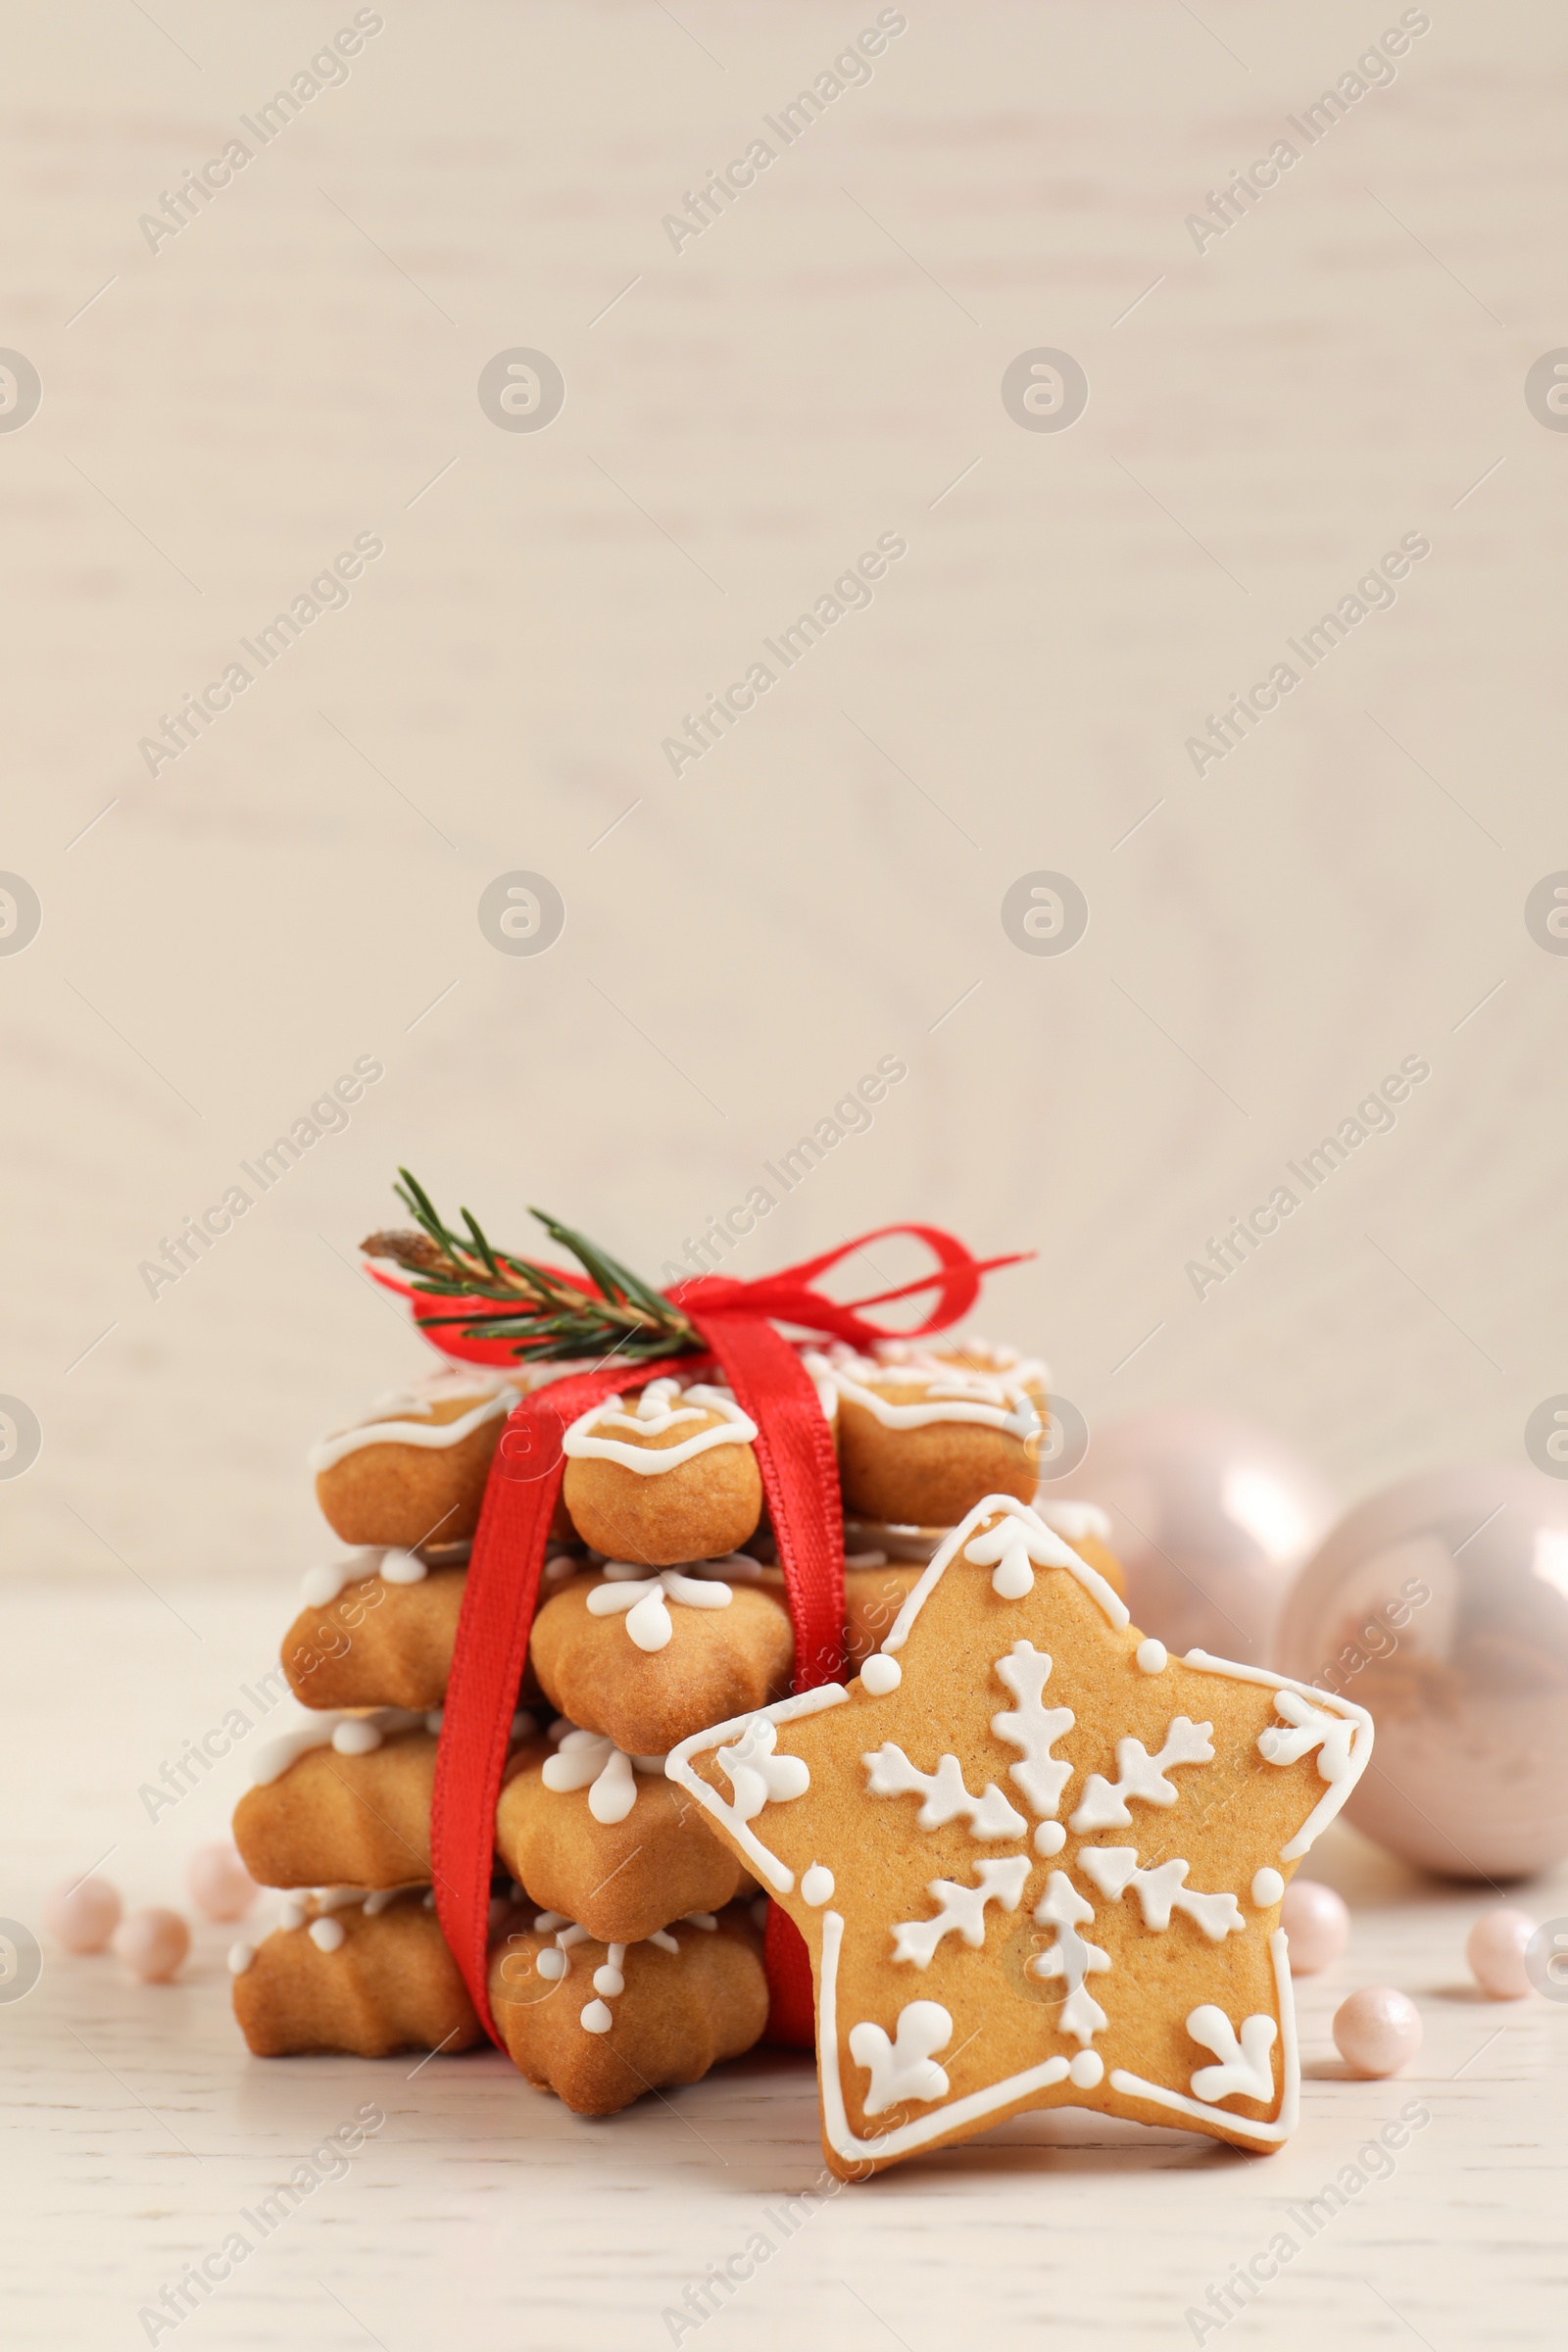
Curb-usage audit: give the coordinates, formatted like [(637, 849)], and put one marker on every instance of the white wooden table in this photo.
[(138, 2129)]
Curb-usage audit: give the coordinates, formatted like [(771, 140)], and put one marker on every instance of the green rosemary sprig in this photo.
[(550, 1315)]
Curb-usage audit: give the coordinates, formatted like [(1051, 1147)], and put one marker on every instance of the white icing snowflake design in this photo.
[(1134, 1855)]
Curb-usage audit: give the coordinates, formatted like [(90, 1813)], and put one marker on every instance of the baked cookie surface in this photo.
[(346, 1972), (1035, 1860), (600, 2024), (606, 1841), (668, 1477), (383, 1638), (346, 1800), (647, 1657), (921, 1439), (414, 1471)]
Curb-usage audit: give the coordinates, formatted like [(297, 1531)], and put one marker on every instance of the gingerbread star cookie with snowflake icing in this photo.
[(1035, 1860)]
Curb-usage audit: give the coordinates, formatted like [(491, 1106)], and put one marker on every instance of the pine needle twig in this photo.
[(541, 1311)]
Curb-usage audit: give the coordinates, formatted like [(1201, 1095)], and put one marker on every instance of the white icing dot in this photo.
[(319, 1586), (551, 1964), (597, 2019), (240, 1956), (429, 1901), (547, 1922), (326, 1933), (609, 1981), (356, 1737), (1152, 1655), (432, 1722), (817, 1884), (403, 1568), (880, 1675), (292, 1915), (1086, 2070), (1267, 1887), (1049, 1837)]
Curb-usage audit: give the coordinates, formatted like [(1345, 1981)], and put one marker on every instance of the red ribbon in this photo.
[(800, 1479)]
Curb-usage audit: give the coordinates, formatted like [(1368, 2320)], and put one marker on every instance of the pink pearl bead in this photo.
[(152, 1944), (1495, 1951), (1317, 1923), (1377, 2030), (82, 1917), (219, 1882)]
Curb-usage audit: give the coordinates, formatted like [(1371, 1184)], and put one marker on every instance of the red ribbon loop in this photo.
[(788, 1296)]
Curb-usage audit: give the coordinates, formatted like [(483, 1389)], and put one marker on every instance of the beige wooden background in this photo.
[(743, 418)]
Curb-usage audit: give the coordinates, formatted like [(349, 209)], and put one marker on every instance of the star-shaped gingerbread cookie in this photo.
[(1036, 1861)]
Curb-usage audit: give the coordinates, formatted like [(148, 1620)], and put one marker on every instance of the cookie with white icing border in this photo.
[(873, 1596), (607, 1839), (663, 1477), (1083, 1525), (377, 1629), (344, 1801), (384, 1637), (647, 1656), (970, 1354), (346, 1973), (414, 1471), (600, 2024), (1036, 1861), (920, 1443)]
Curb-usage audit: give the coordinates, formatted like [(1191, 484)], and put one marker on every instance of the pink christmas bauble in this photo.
[(1211, 1520), (219, 1882), (1495, 1951), (82, 1914), (1441, 1606), (1377, 2030), (1317, 1923), (152, 1943)]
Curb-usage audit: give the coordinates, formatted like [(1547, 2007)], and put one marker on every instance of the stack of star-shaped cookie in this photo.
[(627, 1935)]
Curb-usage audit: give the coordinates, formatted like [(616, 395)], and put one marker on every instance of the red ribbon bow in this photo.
[(800, 1479)]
